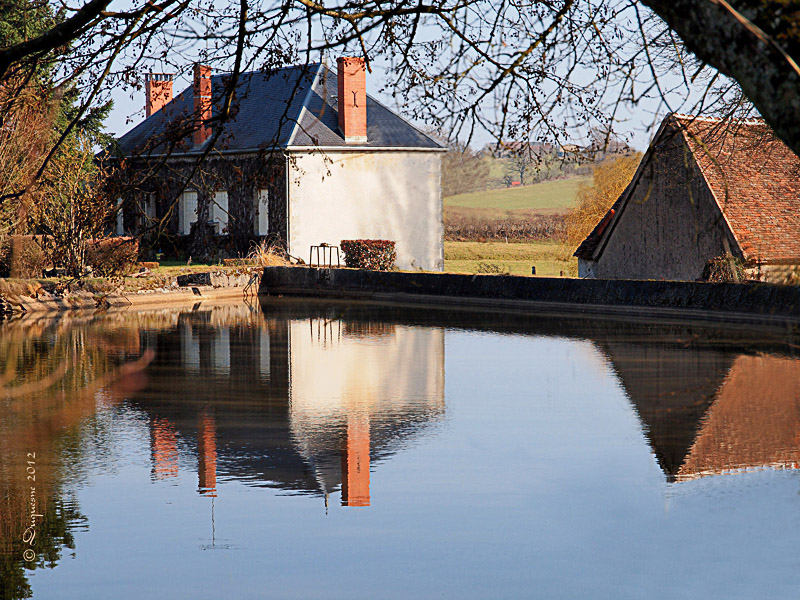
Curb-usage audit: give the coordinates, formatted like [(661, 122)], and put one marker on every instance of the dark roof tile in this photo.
[(295, 106)]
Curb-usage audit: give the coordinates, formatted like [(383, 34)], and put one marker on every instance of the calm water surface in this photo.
[(318, 450)]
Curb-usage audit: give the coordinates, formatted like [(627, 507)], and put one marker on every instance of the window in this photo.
[(120, 230), (262, 212), (218, 211), (187, 214), (147, 210)]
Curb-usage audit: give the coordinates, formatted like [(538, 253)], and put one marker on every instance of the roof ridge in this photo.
[(701, 119), (303, 108)]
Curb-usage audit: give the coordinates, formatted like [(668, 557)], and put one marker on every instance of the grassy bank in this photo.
[(550, 258)]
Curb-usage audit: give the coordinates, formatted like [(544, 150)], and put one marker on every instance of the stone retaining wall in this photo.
[(654, 298)]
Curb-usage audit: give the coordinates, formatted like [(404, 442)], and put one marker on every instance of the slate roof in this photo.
[(291, 107), (753, 176)]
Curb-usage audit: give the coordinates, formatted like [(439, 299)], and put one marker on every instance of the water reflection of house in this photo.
[(163, 449), (712, 410), (308, 405), (352, 382), (207, 456), (754, 421)]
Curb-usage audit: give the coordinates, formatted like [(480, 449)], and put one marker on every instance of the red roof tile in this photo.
[(755, 179)]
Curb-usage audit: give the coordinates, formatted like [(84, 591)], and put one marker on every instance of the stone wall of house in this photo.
[(242, 176), (671, 225), (393, 195)]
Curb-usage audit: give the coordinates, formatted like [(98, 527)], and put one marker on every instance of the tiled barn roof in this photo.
[(293, 106), (754, 177)]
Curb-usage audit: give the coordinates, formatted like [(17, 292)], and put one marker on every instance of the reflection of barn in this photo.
[(711, 410), (249, 397)]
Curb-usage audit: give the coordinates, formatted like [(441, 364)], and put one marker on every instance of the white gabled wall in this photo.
[(368, 195)]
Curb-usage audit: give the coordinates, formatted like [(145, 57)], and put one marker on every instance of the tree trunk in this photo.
[(742, 45)]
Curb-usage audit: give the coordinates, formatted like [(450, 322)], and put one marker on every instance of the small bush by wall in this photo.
[(724, 269), (378, 255), (491, 268), (112, 256)]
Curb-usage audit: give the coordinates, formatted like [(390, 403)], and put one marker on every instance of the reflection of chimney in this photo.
[(164, 449), (158, 92), (355, 462), (202, 104), (352, 102), (207, 456)]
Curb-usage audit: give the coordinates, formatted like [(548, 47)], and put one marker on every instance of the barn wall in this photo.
[(671, 225), (369, 195)]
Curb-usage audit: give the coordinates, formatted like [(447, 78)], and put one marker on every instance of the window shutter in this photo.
[(120, 218), (188, 212), (219, 210), (262, 212)]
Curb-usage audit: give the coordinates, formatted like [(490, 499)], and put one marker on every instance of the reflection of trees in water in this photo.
[(61, 516), (55, 373)]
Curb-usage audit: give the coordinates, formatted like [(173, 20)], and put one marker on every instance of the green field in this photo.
[(551, 259), (548, 197)]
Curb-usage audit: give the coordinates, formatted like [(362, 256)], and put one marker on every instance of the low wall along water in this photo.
[(726, 301)]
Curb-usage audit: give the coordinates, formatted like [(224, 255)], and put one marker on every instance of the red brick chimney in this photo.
[(158, 92), (352, 83), (202, 104)]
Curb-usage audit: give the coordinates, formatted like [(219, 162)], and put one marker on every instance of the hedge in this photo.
[(112, 256), (108, 256), (29, 260), (378, 255)]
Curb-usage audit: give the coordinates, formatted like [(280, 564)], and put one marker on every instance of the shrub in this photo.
[(491, 268), (378, 255), (461, 228), (112, 256), (29, 260), (724, 269)]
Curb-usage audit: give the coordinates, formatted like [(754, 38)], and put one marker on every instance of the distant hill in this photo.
[(548, 197)]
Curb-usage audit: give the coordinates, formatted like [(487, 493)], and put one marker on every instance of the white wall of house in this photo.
[(586, 269), (391, 195)]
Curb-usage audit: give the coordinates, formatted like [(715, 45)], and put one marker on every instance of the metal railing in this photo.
[(325, 253)]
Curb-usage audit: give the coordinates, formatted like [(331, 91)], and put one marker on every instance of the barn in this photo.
[(707, 188)]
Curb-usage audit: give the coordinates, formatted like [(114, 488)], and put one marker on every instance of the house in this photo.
[(706, 188), (307, 158)]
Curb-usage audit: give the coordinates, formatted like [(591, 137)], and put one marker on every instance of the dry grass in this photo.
[(266, 254), (512, 258)]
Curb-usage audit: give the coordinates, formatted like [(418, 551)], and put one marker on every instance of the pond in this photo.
[(307, 449)]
